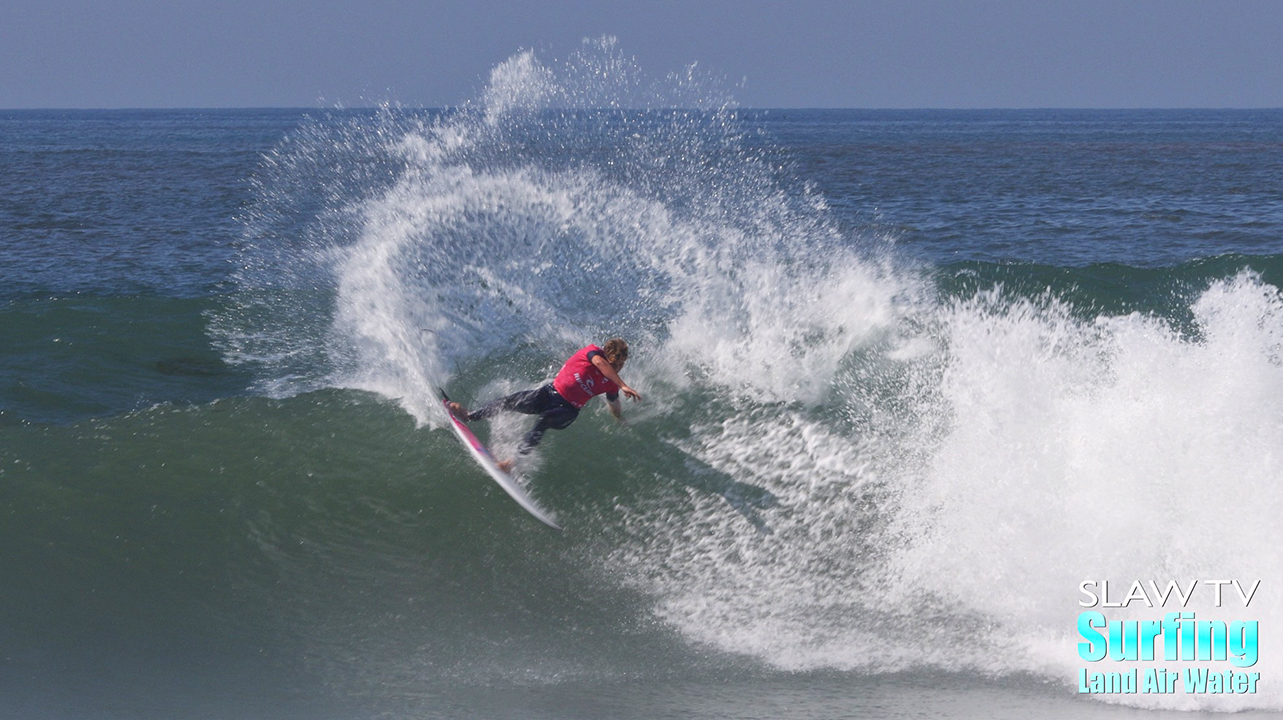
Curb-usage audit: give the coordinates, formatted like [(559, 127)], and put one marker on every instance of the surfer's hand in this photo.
[(630, 393)]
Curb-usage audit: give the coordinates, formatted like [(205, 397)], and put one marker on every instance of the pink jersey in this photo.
[(579, 380)]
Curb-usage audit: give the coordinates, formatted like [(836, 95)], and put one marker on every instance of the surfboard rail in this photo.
[(482, 456)]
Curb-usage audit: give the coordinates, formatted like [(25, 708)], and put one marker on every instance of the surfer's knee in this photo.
[(531, 441)]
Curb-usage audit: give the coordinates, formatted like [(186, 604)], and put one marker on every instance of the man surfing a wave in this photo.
[(590, 372)]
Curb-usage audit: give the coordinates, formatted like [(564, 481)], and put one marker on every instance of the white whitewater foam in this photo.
[(1042, 451)]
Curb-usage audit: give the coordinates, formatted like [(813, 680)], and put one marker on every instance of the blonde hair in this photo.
[(615, 349)]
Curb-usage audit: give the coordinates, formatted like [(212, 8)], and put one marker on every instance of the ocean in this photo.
[(910, 379)]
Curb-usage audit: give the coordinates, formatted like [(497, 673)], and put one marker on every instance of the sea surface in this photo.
[(909, 378)]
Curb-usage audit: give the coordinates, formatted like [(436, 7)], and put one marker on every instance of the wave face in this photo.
[(844, 462), (850, 460)]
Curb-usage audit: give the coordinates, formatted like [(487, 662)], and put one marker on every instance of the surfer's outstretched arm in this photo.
[(607, 369)]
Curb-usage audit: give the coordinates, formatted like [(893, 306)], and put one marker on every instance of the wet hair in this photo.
[(615, 349)]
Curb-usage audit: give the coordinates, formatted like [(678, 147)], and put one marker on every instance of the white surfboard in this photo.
[(487, 463)]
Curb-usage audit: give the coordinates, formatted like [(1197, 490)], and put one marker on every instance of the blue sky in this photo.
[(889, 54)]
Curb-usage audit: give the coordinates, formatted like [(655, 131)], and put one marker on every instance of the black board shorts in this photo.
[(554, 411)]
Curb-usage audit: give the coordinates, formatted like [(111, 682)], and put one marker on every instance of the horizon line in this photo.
[(444, 108)]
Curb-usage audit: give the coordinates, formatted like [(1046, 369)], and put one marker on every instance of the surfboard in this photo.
[(487, 462)]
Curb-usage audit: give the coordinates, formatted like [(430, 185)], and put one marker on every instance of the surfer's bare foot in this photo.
[(458, 410), (505, 465)]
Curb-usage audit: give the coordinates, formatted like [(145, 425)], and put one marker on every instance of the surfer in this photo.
[(589, 372)]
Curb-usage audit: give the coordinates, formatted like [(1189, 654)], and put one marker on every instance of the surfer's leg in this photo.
[(525, 401), (557, 417)]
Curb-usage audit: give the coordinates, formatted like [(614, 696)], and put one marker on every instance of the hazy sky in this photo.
[(891, 53)]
